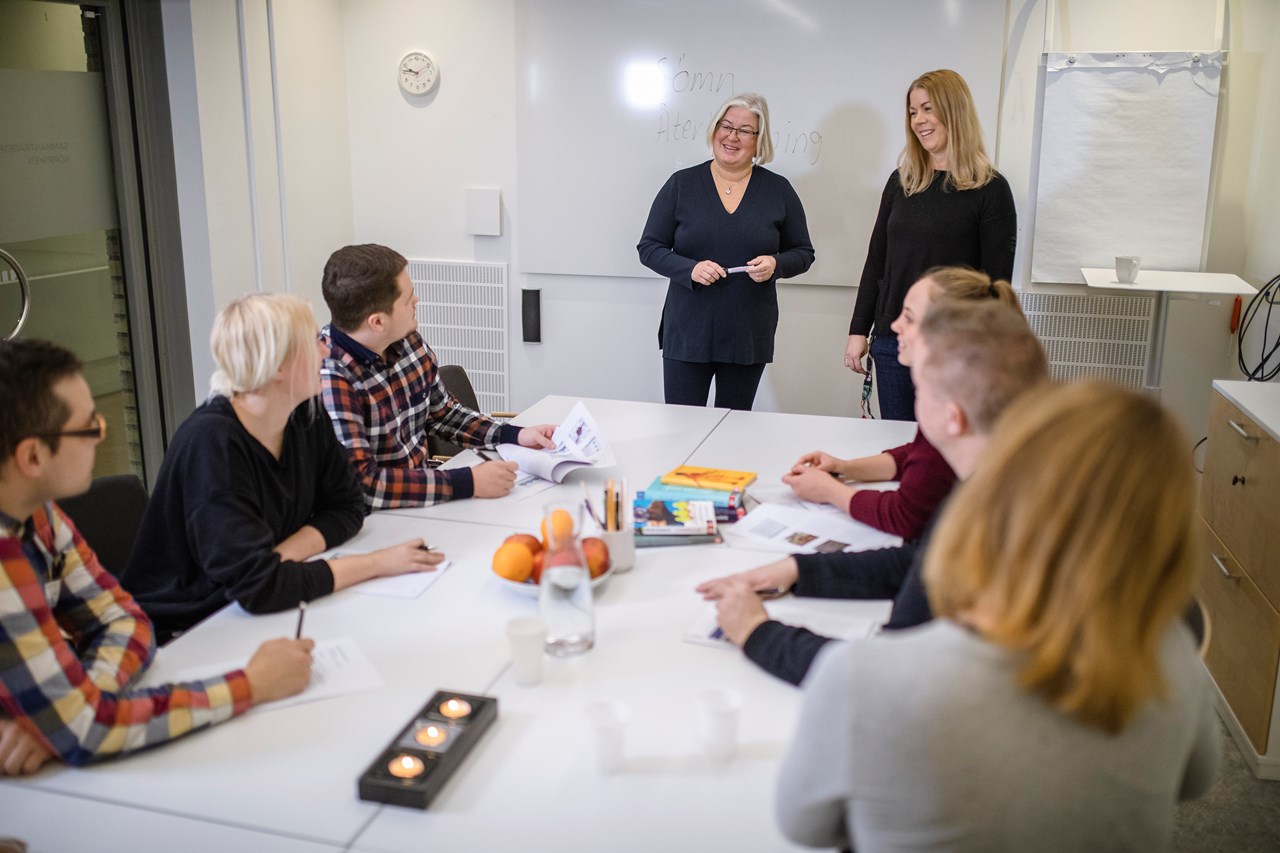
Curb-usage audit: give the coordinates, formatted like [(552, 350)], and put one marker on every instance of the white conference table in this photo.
[(648, 439), (290, 774)]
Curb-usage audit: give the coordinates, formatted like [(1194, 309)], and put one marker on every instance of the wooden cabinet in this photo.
[(1239, 582)]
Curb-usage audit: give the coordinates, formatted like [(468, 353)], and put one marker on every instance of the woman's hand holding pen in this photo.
[(762, 268), (767, 581), (707, 272)]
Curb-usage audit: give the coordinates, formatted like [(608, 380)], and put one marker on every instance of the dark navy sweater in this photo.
[(733, 320)]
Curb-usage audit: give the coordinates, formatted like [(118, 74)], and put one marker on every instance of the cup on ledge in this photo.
[(608, 722), (527, 637), (718, 722), (1127, 267), (622, 548)]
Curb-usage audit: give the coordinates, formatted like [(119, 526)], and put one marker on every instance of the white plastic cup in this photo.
[(608, 721), (622, 548), (527, 639), (718, 712), (1127, 267)]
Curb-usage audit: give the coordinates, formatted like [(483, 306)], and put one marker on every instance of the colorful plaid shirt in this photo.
[(383, 406), (71, 643)]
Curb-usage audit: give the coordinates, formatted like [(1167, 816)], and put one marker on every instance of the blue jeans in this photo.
[(687, 383), (894, 389)]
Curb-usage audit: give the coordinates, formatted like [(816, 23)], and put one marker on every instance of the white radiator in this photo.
[(1098, 337), (462, 314)]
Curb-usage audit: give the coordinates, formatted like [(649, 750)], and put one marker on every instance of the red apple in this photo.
[(597, 556), (538, 558)]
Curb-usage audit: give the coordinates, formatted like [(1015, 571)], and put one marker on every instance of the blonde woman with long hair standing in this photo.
[(1057, 702), (945, 205), (255, 484)]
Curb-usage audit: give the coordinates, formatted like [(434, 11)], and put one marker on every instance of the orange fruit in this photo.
[(528, 540), (561, 526), (513, 562)]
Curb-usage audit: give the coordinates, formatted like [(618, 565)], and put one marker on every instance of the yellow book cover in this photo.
[(720, 479)]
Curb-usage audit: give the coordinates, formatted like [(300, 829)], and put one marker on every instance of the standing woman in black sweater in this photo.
[(255, 484), (724, 232), (945, 205)]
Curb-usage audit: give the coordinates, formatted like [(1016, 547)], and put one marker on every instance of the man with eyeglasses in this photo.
[(72, 642)]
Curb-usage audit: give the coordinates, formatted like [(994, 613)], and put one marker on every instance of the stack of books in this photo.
[(685, 506)]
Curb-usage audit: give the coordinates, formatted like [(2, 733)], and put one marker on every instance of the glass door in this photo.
[(59, 211)]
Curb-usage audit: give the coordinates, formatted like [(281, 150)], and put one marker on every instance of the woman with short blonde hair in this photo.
[(945, 205), (722, 233), (255, 484), (1057, 702)]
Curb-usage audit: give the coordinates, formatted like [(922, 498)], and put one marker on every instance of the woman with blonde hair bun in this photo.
[(924, 477), (945, 204), (255, 484), (1057, 702)]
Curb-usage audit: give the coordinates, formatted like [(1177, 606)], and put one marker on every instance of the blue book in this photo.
[(660, 491)]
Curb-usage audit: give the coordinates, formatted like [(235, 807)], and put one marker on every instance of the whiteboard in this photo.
[(614, 97), (1126, 146)]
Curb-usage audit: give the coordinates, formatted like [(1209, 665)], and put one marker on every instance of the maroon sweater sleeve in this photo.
[(925, 478)]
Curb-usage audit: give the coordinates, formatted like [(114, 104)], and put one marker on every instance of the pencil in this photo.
[(302, 611)]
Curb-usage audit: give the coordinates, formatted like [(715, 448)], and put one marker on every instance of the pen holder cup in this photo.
[(622, 548)]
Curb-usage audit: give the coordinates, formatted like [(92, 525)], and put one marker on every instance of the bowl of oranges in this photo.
[(520, 558)]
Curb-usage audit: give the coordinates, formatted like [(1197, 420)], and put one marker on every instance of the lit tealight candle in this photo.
[(405, 766), (455, 709), (431, 735)]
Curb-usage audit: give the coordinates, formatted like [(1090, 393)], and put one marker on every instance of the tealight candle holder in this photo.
[(413, 768)]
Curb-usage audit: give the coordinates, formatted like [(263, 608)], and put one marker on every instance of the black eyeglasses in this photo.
[(741, 131), (98, 431)]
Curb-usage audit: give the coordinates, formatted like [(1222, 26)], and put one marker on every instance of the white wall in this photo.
[(409, 162)]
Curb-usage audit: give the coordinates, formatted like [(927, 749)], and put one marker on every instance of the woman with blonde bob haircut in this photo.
[(255, 484), (723, 232), (1057, 702), (945, 205)]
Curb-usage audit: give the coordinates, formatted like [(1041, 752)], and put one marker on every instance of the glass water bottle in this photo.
[(564, 597)]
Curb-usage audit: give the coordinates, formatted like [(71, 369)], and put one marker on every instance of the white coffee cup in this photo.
[(608, 722), (527, 638), (718, 712), (1127, 267)]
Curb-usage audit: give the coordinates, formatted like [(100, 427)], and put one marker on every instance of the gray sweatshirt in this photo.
[(922, 740)]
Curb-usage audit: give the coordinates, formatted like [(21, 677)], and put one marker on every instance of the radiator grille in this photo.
[(1092, 337), (462, 313)]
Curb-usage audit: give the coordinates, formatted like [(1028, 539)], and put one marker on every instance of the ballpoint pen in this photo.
[(302, 611)]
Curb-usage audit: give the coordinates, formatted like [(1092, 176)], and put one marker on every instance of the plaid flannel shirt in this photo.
[(383, 406), (74, 692)]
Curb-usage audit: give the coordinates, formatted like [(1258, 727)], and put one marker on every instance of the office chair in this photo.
[(1197, 619), (457, 383), (108, 517)]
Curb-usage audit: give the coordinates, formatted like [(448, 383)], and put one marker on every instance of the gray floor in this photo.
[(1241, 814)]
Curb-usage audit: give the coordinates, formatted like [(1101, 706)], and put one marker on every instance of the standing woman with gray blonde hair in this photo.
[(724, 232), (945, 205), (255, 484)]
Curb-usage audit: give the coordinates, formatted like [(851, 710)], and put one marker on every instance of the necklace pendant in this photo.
[(729, 191)]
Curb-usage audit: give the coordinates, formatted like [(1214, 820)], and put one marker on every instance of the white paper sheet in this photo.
[(410, 585), (705, 631), (338, 667), (1126, 148), (794, 529)]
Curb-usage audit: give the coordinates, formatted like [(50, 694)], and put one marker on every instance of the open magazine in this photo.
[(579, 444)]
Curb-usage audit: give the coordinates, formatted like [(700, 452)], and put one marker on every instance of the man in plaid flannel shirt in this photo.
[(73, 644), (382, 390)]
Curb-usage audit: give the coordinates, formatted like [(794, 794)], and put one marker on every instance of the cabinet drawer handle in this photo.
[(1222, 567), (1239, 429)]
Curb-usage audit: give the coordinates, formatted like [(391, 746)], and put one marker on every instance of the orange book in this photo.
[(720, 479)]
